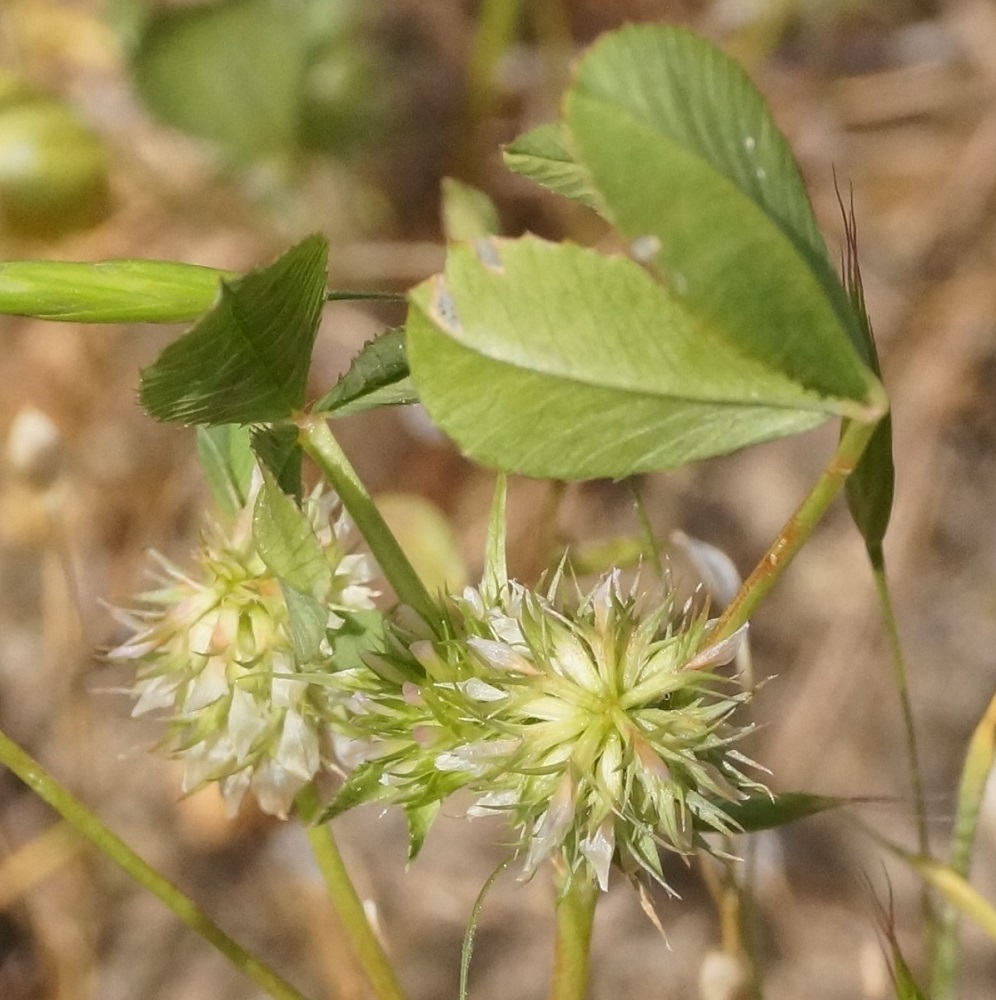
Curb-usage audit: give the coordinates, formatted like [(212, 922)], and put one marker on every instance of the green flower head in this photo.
[(595, 723), (214, 652)]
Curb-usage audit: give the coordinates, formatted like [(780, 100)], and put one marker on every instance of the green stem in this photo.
[(318, 442), (974, 780), (86, 823), (496, 27), (349, 296), (797, 530), (575, 914), (366, 946), (902, 686), (935, 931)]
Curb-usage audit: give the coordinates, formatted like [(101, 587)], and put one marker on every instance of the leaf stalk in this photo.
[(317, 440)]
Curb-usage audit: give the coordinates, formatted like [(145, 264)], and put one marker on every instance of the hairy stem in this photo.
[(86, 823)]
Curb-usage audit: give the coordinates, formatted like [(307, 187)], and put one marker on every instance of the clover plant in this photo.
[(598, 719)]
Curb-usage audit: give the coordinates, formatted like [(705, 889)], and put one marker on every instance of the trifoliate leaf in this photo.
[(555, 360), (247, 360)]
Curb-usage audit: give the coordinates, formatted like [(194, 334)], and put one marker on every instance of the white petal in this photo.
[(208, 686), (500, 656), (492, 802), (550, 830), (275, 788), (246, 722), (478, 690), (716, 569), (156, 692), (206, 761), (507, 629), (720, 653), (287, 692), (233, 790), (357, 597), (473, 598), (351, 753), (598, 848), (475, 758), (297, 751), (200, 634)]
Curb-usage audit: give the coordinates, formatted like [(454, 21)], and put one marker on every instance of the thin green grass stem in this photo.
[(974, 778), (797, 530), (955, 888), (348, 906), (496, 25), (318, 441), (572, 950), (81, 819), (902, 687)]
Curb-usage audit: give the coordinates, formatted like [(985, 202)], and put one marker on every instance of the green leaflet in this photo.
[(287, 542), (377, 376), (227, 460), (543, 155), (687, 159), (247, 360), (555, 360), (231, 72), (728, 328)]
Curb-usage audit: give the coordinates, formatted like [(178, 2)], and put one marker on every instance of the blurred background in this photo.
[(220, 132)]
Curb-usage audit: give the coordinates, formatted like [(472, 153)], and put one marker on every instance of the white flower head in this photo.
[(594, 721), (214, 652)]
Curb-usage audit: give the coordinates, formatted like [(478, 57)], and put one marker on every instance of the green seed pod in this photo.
[(53, 169)]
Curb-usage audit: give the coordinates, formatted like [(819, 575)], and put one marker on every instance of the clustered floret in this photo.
[(599, 729), (215, 654), (595, 721)]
